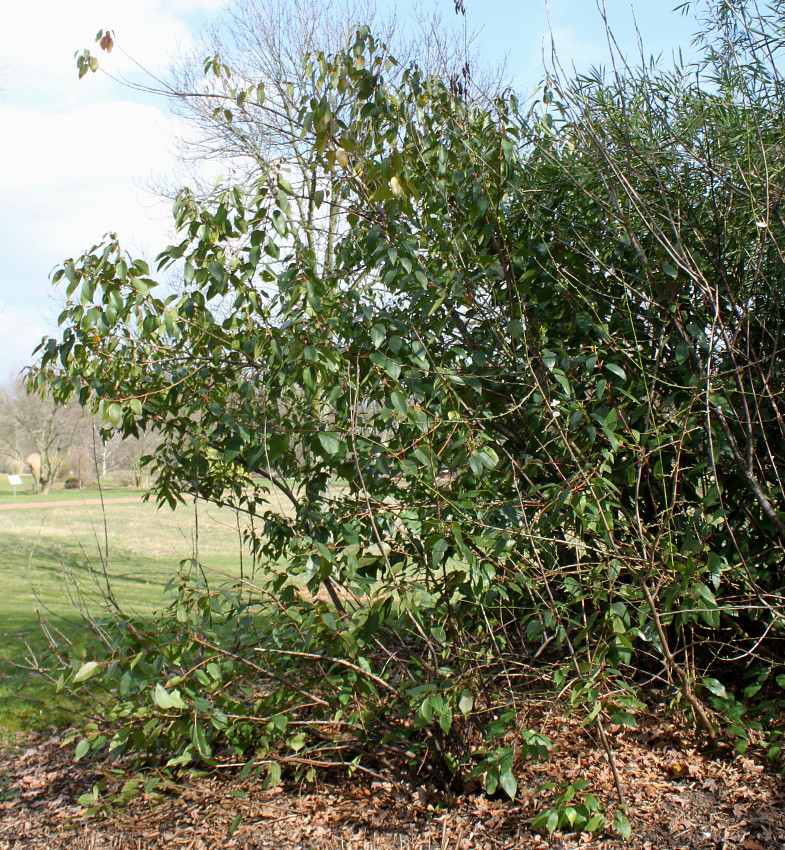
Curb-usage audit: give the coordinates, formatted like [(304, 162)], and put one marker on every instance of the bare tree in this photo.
[(94, 455), (37, 432), (264, 43)]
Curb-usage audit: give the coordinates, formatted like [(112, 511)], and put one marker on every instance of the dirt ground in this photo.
[(679, 796)]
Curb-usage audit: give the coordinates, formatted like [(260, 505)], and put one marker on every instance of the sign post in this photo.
[(15, 481)]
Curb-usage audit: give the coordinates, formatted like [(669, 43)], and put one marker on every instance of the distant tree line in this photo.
[(64, 443)]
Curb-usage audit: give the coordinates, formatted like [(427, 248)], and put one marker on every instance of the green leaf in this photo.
[(445, 720), (594, 823), (491, 781), (515, 329), (90, 798), (508, 783), (390, 367), (236, 821), (284, 185), (200, 739), (624, 718), (186, 757), (561, 380), (86, 671), (466, 702), (330, 442), (218, 274), (168, 699), (681, 354), (616, 370), (378, 333), (717, 688), (297, 742), (622, 825), (279, 223), (398, 400), (273, 777), (176, 699), (113, 414), (546, 821), (161, 697), (82, 749)]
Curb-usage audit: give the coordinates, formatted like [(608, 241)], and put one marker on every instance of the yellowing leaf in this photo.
[(86, 671)]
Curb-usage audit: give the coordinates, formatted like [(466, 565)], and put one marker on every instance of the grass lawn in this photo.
[(51, 564), (24, 492)]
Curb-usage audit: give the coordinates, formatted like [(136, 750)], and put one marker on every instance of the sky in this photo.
[(79, 158)]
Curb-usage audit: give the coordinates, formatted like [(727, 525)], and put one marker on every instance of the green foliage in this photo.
[(526, 398), (573, 811), (222, 675)]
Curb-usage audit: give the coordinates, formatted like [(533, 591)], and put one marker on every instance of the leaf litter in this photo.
[(679, 795)]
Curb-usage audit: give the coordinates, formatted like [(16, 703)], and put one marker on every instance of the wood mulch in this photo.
[(680, 796)]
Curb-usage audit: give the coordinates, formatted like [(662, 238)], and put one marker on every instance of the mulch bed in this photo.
[(679, 796)]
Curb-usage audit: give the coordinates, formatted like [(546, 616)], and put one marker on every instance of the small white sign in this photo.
[(15, 480)]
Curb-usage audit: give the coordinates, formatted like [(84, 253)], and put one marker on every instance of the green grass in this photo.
[(51, 567), (70, 495), (24, 493)]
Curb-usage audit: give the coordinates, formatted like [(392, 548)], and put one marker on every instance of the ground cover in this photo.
[(681, 796), (77, 496)]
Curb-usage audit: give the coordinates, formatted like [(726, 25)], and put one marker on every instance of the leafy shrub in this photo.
[(222, 675), (517, 375)]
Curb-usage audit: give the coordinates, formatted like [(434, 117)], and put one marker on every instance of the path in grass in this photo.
[(126, 500)]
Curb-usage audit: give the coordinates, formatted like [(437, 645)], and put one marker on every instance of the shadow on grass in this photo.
[(54, 563), (51, 567)]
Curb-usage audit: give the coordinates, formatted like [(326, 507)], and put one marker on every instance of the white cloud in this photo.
[(20, 332), (189, 6), (76, 156), (69, 177), (38, 41), (93, 141)]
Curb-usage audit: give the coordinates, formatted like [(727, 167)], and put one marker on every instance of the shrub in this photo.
[(524, 398)]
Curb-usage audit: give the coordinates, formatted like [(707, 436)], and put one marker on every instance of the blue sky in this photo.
[(77, 157)]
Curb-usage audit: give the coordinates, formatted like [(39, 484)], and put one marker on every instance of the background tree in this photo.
[(99, 457), (263, 44), (243, 110), (37, 432)]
